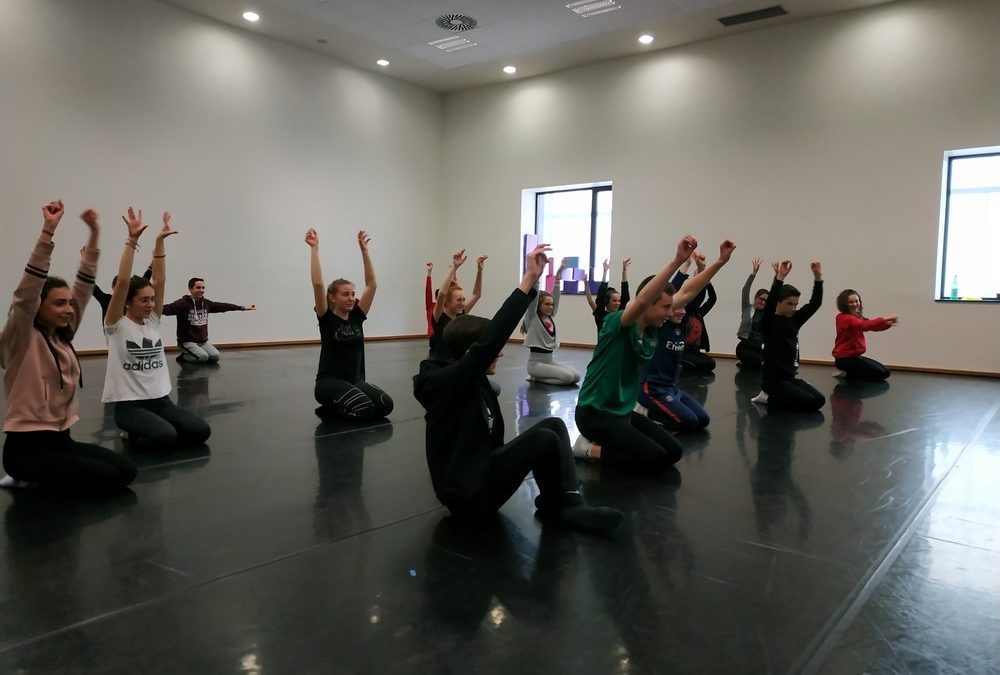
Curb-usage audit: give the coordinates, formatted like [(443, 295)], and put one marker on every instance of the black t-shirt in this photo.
[(342, 351), (437, 343)]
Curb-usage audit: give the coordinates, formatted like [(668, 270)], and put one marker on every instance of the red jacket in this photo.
[(851, 334), (41, 383)]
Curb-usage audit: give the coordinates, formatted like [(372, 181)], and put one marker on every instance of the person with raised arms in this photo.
[(42, 375), (539, 329), (450, 301), (474, 472), (781, 388), (750, 348), (611, 431), (608, 299), (660, 397), (341, 389), (137, 380)]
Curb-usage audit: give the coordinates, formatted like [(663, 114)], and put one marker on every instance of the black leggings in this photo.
[(862, 369), (633, 442), (53, 459), (359, 401), (749, 354), (545, 451), (792, 395), (695, 361), (160, 424)]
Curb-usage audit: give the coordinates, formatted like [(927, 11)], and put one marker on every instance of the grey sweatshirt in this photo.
[(537, 336)]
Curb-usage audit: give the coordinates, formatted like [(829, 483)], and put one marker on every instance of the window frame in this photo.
[(594, 190), (946, 189)]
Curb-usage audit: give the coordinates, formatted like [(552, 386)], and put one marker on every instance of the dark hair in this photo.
[(65, 334), (193, 280), (608, 293), (760, 292), (842, 300), (788, 291), (462, 332), (135, 284), (668, 288)]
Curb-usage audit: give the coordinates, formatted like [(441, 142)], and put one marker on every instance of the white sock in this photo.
[(11, 482), (839, 373), (760, 398), (641, 409), (581, 447)]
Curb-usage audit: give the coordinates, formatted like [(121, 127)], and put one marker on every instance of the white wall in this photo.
[(820, 139), (248, 142)]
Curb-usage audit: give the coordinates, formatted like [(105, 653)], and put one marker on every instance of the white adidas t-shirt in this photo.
[(137, 366)]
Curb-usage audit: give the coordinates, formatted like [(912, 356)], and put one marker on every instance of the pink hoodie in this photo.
[(41, 392)]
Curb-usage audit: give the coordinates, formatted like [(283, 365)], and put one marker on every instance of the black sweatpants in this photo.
[(545, 451), (749, 354), (633, 442), (53, 459), (160, 424), (792, 395), (694, 361), (360, 401), (862, 369)]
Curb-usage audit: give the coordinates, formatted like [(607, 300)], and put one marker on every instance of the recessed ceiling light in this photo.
[(510, 70), (646, 39), (252, 17), (382, 62)]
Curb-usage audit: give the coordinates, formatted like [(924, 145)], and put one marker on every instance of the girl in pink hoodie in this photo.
[(42, 375)]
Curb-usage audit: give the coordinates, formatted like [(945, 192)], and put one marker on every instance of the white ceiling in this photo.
[(537, 36)]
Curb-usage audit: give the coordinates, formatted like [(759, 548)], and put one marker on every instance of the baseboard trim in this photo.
[(570, 345)]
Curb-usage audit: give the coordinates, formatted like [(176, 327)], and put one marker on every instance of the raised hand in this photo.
[(536, 260), (685, 247), (699, 260), (817, 269), (52, 213), (166, 230), (782, 269), (756, 265), (563, 264), (312, 238), (90, 218), (586, 277), (726, 249), (458, 258), (363, 241), (607, 264), (134, 224), (480, 261), (625, 264)]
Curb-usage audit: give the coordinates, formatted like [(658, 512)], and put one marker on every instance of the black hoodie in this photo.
[(464, 421)]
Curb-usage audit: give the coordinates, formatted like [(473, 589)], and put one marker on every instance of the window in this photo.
[(970, 231), (576, 222)]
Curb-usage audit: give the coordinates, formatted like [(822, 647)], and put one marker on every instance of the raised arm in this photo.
[(316, 273), (28, 294), (477, 288), (83, 285), (159, 279), (587, 293), (557, 287), (651, 291), (429, 296), (781, 271), (695, 284), (745, 303), (712, 298), (816, 299), (457, 259), (371, 285), (135, 227)]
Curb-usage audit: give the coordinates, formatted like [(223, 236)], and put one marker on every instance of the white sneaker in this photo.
[(641, 409), (124, 436), (760, 398), (840, 374), (581, 448)]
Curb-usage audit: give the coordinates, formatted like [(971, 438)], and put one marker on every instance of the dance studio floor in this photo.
[(866, 539)]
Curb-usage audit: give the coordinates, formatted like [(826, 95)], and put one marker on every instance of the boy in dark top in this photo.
[(474, 473), (192, 322), (781, 323), (104, 299)]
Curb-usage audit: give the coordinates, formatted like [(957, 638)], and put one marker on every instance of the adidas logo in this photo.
[(144, 355)]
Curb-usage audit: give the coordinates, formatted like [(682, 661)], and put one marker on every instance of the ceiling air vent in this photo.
[(456, 22), (756, 15)]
